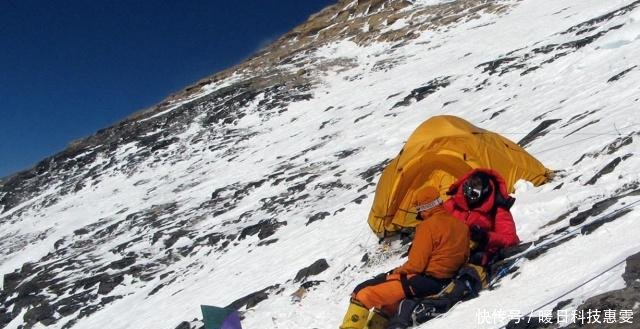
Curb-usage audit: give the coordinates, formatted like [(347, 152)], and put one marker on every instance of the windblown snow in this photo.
[(258, 184)]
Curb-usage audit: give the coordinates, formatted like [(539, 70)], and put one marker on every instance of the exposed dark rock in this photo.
[(252, 299), (184, 325), (562, 304), (20, 303), (629, 189), (366, 186), (541, 116), (312, 148), (42, 313), (578, 117), (606, 170), (123, 246), (69, 324), (621, 74), (106, 300), (589, 228), (422, 92), (529, 70), (244, 191), (316, 268), (58, 244), (5, 318), (297, 188), (330, 186), (273, 205), (617, 300), (216, 194), (587, 25), (580, 159), (265, 228), (28, 288), (70, 305), (88, 310), (481, 85), (510, 251), (108, 283), (121, 264), (556, 56), (582, 127), (267, 242), (369, 174), (541, 250), (324, 124), (561, 217), (144, 272), (495, 114), (310, 284), (210, 239), (160, 286), (595, 210), (537, 132), (346, 153), (164, 144), (174, 237), (492, 67), (317, 216), (81, 231), (67, 310), (551, 52), (362, 117), (618, 144), (359, 199), (11, 281)]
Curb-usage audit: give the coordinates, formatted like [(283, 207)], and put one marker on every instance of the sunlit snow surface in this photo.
[(358, 105)]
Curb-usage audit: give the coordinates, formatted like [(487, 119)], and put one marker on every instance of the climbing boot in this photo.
[(356, 317), (377, 320)]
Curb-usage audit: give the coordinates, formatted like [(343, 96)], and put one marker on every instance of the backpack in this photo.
[(466, 285)]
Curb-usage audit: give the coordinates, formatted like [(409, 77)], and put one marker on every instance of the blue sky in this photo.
[(69, 68)]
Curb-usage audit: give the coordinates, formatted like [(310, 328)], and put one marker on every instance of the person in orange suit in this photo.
[(439, 248)]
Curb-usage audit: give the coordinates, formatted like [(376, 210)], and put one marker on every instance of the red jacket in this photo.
[(492, 215)]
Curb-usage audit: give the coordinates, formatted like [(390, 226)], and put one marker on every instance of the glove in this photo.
[(480, 237), (479, 258)]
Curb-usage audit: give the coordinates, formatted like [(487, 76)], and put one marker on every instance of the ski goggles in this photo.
[(472, 193)]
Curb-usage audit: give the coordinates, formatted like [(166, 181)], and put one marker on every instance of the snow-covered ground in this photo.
[(507, 72)]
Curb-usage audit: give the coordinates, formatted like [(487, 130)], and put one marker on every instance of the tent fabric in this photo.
[(437, 153), (220, 318)]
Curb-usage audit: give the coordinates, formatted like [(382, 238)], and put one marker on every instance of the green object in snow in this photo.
[(220, 318)]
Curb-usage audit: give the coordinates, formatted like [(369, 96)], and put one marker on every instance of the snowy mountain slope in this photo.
[(231, 187)]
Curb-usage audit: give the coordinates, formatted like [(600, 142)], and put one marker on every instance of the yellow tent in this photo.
[(439, 151)]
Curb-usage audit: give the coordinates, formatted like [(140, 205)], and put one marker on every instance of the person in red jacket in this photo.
[(481, 201)]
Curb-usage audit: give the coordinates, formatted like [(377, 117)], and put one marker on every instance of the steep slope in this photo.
[(231, 187)]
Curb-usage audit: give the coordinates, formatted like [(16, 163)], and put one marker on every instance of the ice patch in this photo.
[(628, 34)]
